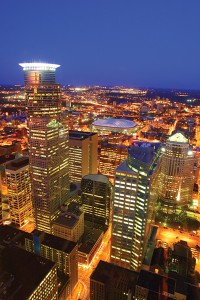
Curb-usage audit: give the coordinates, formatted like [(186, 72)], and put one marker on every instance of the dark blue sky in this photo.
[(150, 43)]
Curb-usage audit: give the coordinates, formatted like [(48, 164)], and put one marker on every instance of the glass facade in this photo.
[(111, 156), (175, 174), (133, 206), (96, 197), (48, 143)]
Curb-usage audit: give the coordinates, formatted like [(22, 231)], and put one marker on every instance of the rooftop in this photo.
[(80, 135), (39, 66), (17, 163), (108, 273), (123, 167), (54, 241), (23, 270), (97, 177), (12, 236), (144, 152), (89, 238), (156, 283), (69, 216), (177, 138), (114, 123)]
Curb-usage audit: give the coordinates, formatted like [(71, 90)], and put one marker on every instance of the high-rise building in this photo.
[(19, 190), (96, 198), (48, 143), (175, 178), (133, 205), (110, 282), (1, 215), (83, 152), (155, 286), (27, 276), (111, 156), (180, 259), (56, 249)]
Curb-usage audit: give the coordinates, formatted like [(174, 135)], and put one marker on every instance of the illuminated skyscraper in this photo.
[(83, 154), (19, 190), (111, 156), (48, 143), (175, 179), (133, 205)]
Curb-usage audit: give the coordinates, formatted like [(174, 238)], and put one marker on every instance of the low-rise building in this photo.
[(70, 223), (91, 241)]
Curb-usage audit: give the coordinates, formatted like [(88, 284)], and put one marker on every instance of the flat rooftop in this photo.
[(54, 241), (89, 239), (80, 135), (21, 272), (67, 220), (69, 215), (108, 273), (156, 283), (17, 163), (12, 236), (97, 177)]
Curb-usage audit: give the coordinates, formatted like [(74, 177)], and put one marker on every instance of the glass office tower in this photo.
[(96, 199), (176, 174), (134, 205), (48, 143)]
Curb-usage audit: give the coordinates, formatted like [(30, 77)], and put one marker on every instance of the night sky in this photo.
[(138, 43)]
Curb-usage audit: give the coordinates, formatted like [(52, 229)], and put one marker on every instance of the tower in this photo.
[(112, 155), (1, 218), (96, 198), (83, 152), (19, 190), (175, 178), (48, 143), (133, 205)]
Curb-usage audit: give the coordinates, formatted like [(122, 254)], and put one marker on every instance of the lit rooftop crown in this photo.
[(39, 66), (39, 73), (178, 138)]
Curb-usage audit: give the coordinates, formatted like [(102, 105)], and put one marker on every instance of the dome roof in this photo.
[(114, 123)]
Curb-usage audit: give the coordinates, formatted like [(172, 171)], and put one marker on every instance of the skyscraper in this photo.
[(133, 205), (19, 190), (1, 219), (175, 178), (96, 198), (111, 156), (26, 276), (63, 252), (48, 143), (83, 152)]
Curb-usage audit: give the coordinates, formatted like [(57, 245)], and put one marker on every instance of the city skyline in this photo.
[(133, 44), (100, 150)]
